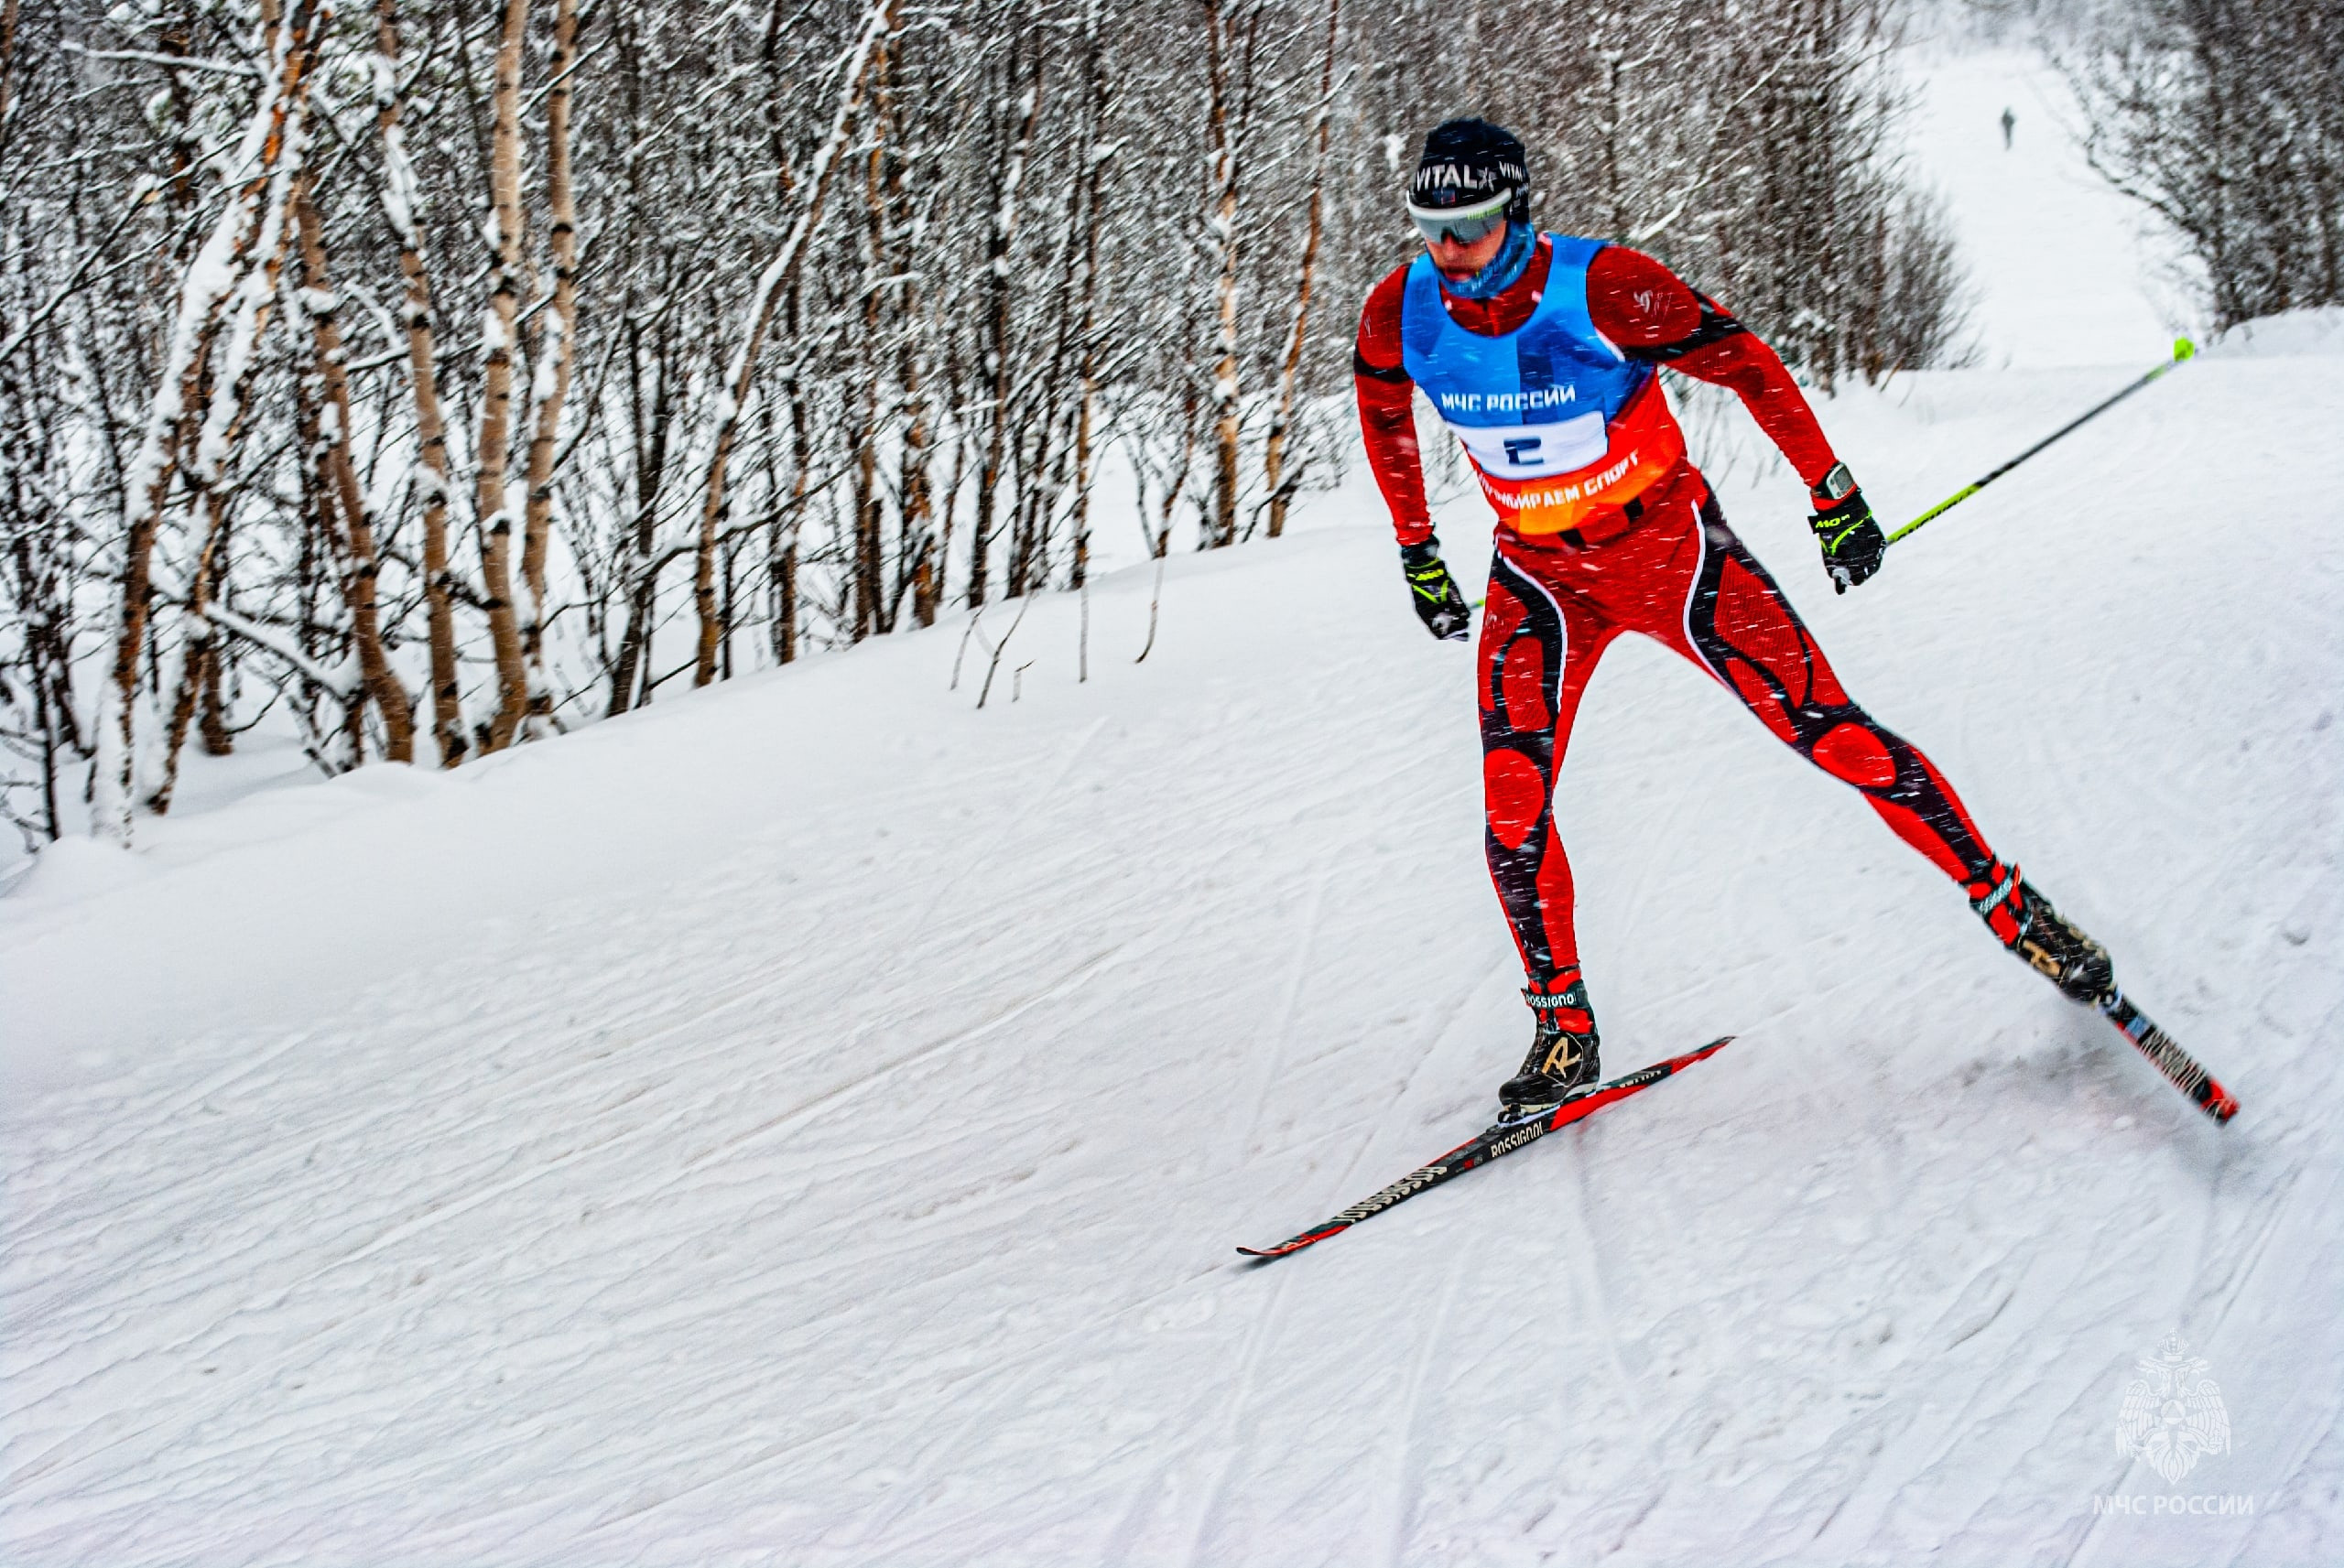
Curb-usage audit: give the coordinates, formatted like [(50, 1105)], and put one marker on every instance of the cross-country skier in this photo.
[(1541, 352)]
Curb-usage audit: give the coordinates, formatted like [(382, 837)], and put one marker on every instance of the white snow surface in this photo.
[(809, 1122), (2065, 271)]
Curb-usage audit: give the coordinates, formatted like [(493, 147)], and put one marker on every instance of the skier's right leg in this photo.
[(1538, 647)]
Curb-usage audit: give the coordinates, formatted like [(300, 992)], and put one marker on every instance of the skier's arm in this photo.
[(1654, 315), (1388, 423), (1387, 415)]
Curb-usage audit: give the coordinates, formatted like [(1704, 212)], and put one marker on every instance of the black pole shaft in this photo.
[(2182, 351)]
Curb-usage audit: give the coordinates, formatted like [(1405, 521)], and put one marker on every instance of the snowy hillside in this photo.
[(822, 1134)]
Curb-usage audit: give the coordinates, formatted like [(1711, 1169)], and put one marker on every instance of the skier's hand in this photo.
[(1851, 540), (1434, 592)]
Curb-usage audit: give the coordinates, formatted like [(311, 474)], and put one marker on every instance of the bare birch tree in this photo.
[(557, 349), (248, 235), (499, 329)]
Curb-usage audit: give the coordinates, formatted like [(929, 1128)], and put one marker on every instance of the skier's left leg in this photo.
[(1539, 645), (1739, 624)]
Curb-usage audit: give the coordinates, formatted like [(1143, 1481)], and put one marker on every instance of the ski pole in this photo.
[(2182, 348)]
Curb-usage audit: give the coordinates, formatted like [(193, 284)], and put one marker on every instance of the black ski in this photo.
[(2180, 1068), (1494, 1142)]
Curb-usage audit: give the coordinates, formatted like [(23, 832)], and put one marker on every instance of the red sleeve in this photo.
[(1651, 314), (1387, 414)]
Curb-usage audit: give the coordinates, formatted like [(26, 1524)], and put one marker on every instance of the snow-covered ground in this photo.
[(2066, 271), (809, 1124)]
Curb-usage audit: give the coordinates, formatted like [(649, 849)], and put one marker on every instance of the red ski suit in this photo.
[(1666, 565)]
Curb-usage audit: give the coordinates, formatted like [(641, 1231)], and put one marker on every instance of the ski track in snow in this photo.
[(809, 1124)]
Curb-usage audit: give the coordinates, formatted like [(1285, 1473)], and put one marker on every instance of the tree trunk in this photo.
[(1223, 224), (322, 572), (1009, 177), (202, 649), (494, 514), (400, 193), (785, 635), (785, 564), (212, 723), (8, 67), (650, 432), (950, 400), (868, 579), (917, 562), (556, 353), (1094, 165), (357, 536)]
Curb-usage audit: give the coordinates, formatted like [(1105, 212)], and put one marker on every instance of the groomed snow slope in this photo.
[(817, 1129), (807, 1123)]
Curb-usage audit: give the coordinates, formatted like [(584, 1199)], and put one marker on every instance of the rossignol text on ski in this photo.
[(1493, 1142)]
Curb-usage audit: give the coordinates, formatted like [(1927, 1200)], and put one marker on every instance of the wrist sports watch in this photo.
[(1837, 485)]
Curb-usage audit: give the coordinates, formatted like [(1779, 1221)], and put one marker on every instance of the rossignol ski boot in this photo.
[(1563, 1054), (2023, 921)]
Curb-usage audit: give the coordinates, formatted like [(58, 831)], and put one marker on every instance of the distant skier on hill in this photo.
[(1541, 352)]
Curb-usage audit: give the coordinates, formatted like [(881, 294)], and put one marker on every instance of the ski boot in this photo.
[(2023, 921), (1562, 1060)]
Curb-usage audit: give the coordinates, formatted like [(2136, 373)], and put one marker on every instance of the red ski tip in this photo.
[(1296, 1245)]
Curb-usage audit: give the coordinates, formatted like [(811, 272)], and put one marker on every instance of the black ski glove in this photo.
[(1434, 592), (1843, 523)]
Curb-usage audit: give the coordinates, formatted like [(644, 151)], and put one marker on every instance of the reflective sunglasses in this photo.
[(1463, 225)]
